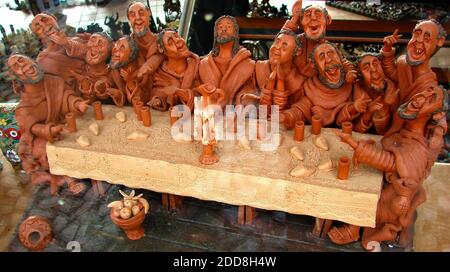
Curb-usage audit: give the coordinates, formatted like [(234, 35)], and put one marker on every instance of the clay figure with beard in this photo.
[(382, 92), (406, 157), (412, 71), (228, 66), (326, 93), (175, 80), (54, 58), (96, 82), (148, 58), (44, 101), (314, 21), (277, 78), (124, 69)]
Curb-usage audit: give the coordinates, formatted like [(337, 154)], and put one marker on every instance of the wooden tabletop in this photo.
[(253, 177)]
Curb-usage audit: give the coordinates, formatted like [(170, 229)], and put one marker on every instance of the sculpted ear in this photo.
[(328, 19), (441, 41)]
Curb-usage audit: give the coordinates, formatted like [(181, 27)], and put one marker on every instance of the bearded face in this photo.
[(25, 69), (282, 50), (423, 44), (121, 53), (372, 73), (138, 16), (422, 104), (226, 31), (97, 49), (174, 46), (328, 64), (43, 26), (314, 23)]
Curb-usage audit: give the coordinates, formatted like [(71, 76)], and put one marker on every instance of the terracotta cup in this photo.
[(343, 168), (262, 129), (71, 122), (98, 110), (134, 100), (347, 127), (316, 123), (146, 116), (299, 133), (138, 106)]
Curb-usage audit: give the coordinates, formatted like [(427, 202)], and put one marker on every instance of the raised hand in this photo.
[(375, 105), (389, 41), (297, 11), (351, 76), (361, 104), (59, 38)]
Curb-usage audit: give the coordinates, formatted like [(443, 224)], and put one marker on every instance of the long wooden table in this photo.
[(254, 178)]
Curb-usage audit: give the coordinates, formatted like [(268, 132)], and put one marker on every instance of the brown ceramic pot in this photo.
[(132, 226), (35, 233), (343, 168)]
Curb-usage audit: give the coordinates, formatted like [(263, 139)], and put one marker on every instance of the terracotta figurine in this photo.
[(53, 59), (412, 71), (314, 21), (382, 91), (228, 66), (326, 93), (148, 58), (95, 82), (44, 102), (406, 158), (124, 69), (277, 78), (178, 75)]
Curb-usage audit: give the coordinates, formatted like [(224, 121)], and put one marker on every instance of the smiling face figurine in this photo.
[(314, 21), (283, 49), (172, 45), (44, 25), (328, 63), (138, 16), (123, 52), (98, 49), (372, 72), (25, 69), (427, 38)]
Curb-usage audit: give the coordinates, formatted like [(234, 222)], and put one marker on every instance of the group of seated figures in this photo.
[(305, 75)]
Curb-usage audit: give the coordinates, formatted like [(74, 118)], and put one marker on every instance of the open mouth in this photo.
[(315, 28), (139, 24), (30, 71)]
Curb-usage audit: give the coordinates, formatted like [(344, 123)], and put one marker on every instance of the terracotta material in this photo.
[(326, 93), (129, 214), (381, 91), (44, 102), (208, 155), (314, 21), (262, 129), (277, 78), (174, 81), (71, 122), (35, 233), (134, 100), (316, 124), (138, 108), (347, 127), (148, 59), (406, 157), (146, 116), (172, 118), (343, 168), (54, 59), (125, 67), (98, 111), (95, 81), (228, 66), (299, 133)]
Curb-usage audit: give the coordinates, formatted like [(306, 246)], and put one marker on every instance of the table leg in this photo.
[(165, 201), (175, 202), (250, 214), (321, 227), (241, 215)]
